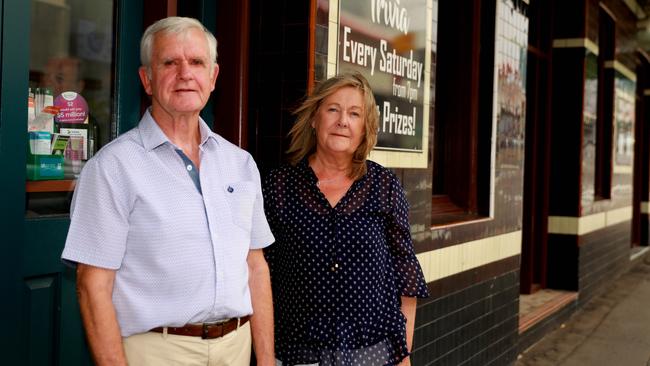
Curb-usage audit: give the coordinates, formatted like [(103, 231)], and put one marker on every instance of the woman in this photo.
[(344, 275)]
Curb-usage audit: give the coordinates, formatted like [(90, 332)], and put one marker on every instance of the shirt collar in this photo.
[(206, 133), (306, 170), (152, 136)]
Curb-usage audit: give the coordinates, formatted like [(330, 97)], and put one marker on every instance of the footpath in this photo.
[(611, 329)]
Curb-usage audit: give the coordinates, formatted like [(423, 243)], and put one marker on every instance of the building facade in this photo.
[(517, 128)]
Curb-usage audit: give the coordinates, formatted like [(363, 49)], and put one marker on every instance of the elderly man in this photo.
[(167, 225)]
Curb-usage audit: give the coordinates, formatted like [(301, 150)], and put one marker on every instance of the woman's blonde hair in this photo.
[(302, 134)]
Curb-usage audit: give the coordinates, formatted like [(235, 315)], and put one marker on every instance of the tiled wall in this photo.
[(474, 326), (604, 254)]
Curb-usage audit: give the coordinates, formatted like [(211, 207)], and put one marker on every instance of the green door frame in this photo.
[(128, 92), (45, 236), (14, 74)]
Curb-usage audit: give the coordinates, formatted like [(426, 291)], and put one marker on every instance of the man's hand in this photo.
[(95, 290), (259, 282)]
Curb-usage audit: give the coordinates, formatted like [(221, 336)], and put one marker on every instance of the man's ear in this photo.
[(146, 82), (215, 73)]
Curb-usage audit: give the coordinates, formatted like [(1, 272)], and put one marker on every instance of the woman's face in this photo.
[(340, 122)]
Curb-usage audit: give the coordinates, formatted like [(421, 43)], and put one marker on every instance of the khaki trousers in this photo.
[(160, 349)]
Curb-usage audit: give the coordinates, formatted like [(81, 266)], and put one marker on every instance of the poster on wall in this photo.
[(385, 41)]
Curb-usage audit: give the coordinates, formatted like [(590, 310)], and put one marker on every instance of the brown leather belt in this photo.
[(206, 330)]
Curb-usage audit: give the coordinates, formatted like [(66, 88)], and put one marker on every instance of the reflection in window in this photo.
[(463, 111), (604, 122), (70, 93)]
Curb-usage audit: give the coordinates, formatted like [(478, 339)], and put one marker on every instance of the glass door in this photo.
[(69, 103), (67, 90)]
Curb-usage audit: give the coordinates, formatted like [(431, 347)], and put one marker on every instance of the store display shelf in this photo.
[(65, 185)]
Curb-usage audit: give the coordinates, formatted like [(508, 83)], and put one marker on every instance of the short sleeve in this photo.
[(408, 273), (261, 235), (269, 192), (270, 208), (99, 215)]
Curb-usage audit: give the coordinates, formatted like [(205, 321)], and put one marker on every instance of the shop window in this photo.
[(70, 97), (463, 111), (605, 117)]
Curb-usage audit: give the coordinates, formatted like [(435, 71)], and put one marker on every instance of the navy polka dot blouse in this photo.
[(338, 272)]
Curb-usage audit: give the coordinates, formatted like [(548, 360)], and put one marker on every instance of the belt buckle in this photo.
[(206, 329)]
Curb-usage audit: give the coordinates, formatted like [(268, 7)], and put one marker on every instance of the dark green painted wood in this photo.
[(44, 240), (1, 42), (40, 294), (70, 337), (13, 141), (67, 337), (128, 88)]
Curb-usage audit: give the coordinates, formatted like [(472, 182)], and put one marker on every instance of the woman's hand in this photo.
[(409, 304), (406, 361)]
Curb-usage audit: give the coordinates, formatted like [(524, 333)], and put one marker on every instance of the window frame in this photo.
[(605, 107), (464, 123)]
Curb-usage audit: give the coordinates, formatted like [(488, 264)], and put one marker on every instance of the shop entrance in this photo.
[(84, 54), (536, 192), (61, 100), (82, 59)]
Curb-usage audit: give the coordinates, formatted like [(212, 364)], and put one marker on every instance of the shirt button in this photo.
[(189, 168), (230, 189)]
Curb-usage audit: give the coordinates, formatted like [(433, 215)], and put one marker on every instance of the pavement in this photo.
[(611, 329)]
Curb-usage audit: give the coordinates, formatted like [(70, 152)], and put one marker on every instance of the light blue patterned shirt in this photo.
[(180, 255)]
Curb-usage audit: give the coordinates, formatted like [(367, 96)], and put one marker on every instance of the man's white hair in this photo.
[(174, 25)]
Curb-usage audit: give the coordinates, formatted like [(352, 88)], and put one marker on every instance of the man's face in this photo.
[(181, 76)]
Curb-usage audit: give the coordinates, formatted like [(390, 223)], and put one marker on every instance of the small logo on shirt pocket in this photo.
[(241, 199)]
